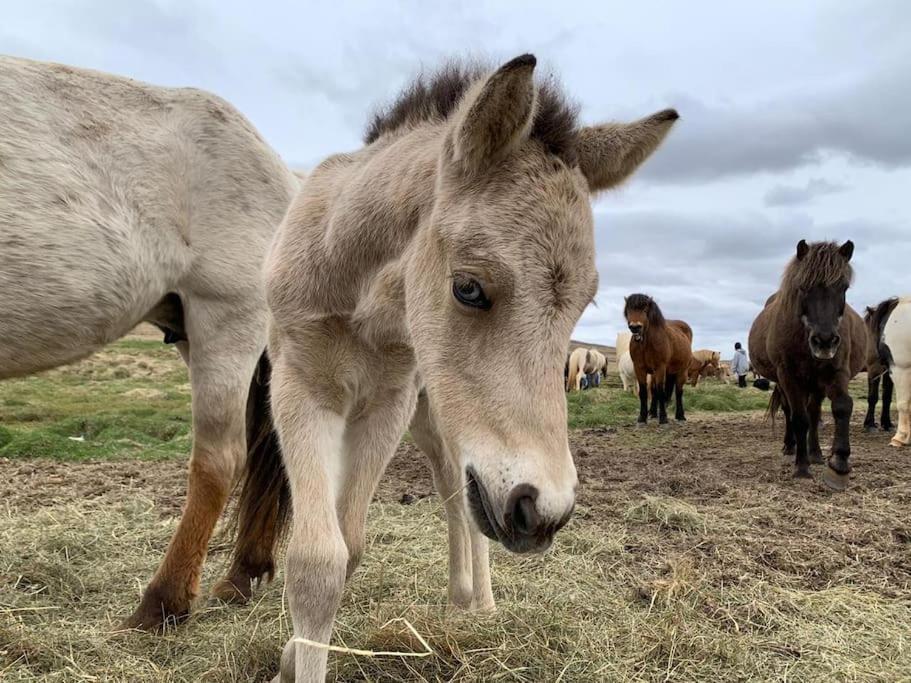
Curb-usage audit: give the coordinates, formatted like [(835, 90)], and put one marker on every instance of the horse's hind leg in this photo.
[(220, 371), (885, 421), (790, 442), (814, 409), (469, 567), (679, 414), (872, 399), (902, 379)]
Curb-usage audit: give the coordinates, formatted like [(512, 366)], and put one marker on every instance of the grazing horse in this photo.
[(703, 364), (892, 322), (583, 362), (878, 365), (444, 265), (811, 343), (661, 348), (122, 202)]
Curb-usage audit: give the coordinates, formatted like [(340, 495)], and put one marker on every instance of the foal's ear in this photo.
[(610, 152), (497, 115), (802, 249), (847, 250)]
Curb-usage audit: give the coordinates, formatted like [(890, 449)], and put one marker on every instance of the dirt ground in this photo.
[(692, 554), (715, 461)]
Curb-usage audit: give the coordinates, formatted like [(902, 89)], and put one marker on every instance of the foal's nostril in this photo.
[(521, 510), (835, 340)]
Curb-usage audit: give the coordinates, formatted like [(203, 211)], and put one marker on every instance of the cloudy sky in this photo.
[(796, 117)]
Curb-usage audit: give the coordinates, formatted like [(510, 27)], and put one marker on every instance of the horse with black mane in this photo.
[(811, 343), (662, 348), (875, 319)]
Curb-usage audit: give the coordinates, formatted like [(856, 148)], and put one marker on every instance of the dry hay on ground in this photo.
[(692, 555)]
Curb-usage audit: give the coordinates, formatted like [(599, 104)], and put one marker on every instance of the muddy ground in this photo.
[(725, 465)]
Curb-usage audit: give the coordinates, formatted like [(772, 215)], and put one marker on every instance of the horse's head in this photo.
[(500, 273), (820, 276), (641, 313)]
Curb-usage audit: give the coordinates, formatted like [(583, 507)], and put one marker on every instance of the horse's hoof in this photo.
[(788, 450), (816, 458), (236, 590), (156, 613), (640, 424), (802, 474), (870, 428), (887, 427), (681, 419), (835, 480), (896, 443)]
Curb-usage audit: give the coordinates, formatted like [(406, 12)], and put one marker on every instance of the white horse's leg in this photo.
[(311, 428), (221, 364), (469, 564), (901, 378)]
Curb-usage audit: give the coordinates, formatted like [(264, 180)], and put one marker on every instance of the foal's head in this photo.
[(499, 275), (641, 313), (814, 285)]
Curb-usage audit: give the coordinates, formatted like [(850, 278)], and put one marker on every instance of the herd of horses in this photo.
[(429, 280)]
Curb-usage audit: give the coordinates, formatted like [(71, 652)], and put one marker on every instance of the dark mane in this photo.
[(821, 265), (643, 302), (875, 319), (436, 97)]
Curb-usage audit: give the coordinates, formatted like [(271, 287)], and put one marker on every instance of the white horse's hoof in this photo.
[(897, 443)]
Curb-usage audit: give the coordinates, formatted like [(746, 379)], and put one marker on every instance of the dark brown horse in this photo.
[(878, 366), (811, 343), (661, 348)]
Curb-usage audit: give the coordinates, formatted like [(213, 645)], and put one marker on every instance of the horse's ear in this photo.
[(496, 115), (847, 250), (802, 249), (610, 152)]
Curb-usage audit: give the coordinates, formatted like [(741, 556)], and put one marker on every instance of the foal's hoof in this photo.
[(788, 450), (870, 428), (816, 458), (235, 590), (835, 480), (680, 419), (802, 474), (887, 427), (640, 425)]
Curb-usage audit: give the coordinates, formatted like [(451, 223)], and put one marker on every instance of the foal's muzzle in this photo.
[(519, 527)]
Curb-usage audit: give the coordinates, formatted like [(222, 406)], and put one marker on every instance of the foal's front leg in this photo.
[(469, 563), (311, 431)]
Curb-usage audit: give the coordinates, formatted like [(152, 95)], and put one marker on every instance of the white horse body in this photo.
[(628, 373), (115, 196), (897, 337)]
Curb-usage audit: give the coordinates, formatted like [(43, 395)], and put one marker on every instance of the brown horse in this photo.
[(811, 343), (662, 348)]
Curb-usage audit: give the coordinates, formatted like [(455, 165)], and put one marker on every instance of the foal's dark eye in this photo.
[(469, 292)]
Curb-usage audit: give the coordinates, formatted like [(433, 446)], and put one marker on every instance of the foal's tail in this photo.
[(264, 505)]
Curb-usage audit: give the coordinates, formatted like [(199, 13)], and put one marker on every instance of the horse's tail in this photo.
[(264, 505), (775, 403)]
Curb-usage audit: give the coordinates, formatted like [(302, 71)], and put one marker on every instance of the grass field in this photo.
[(692, 555)]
